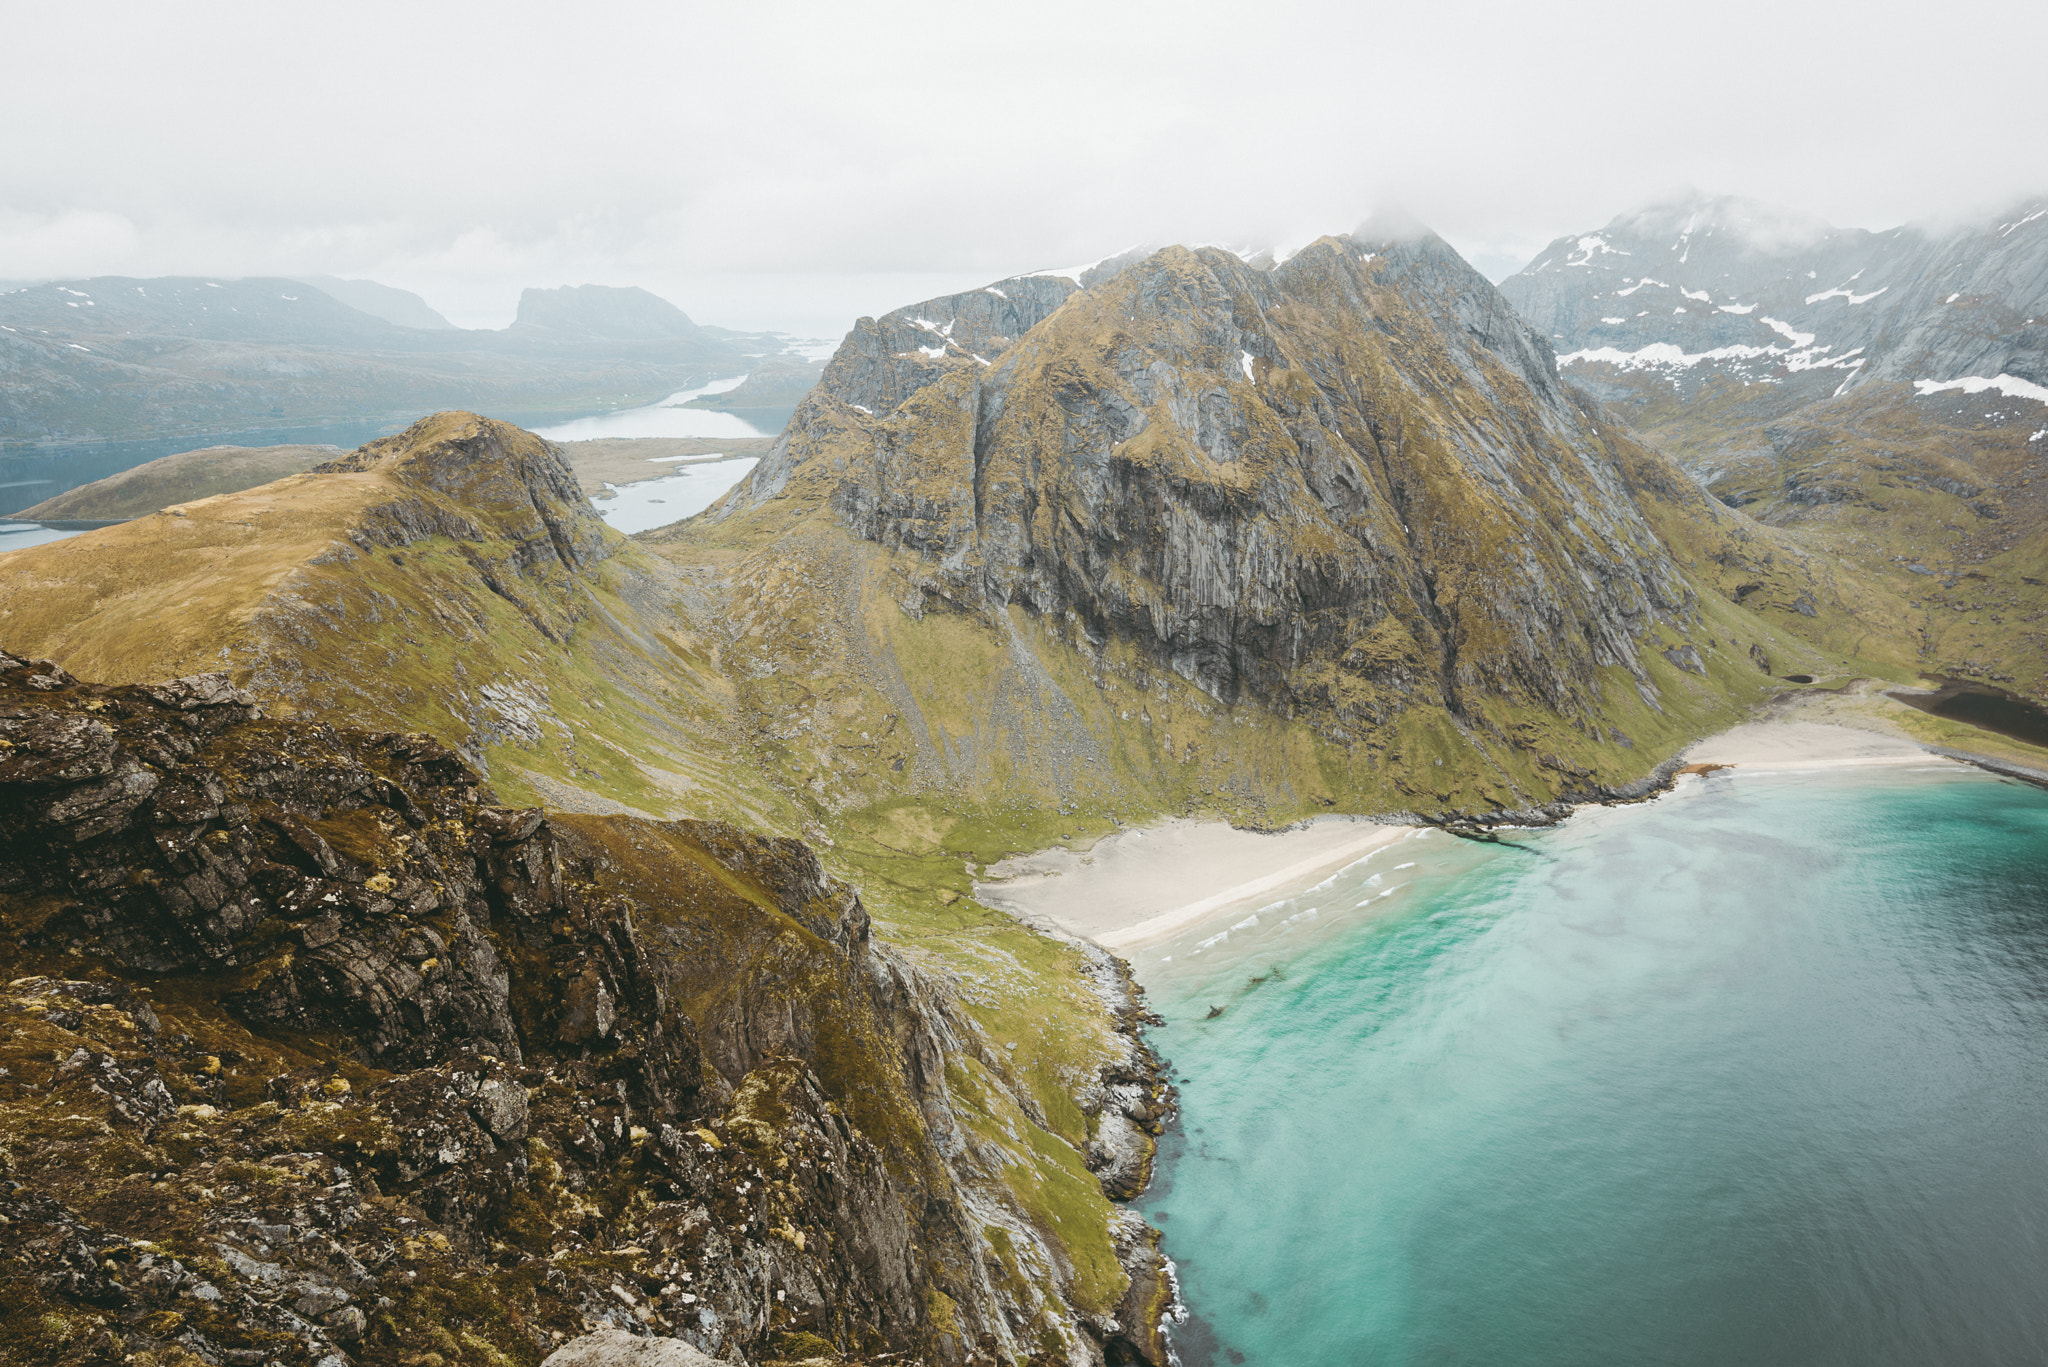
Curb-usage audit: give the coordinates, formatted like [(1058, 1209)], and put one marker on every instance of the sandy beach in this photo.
[(1779, 745), (1141, 887)]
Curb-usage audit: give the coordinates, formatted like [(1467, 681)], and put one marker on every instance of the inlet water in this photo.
[(1755, 1074)]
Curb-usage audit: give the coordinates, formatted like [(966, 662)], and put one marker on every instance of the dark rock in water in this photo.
[(312, 1051), (1214, 1012)]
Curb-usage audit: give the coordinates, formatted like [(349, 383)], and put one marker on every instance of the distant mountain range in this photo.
[(113, 357), (1885, 391), (1707, 287)]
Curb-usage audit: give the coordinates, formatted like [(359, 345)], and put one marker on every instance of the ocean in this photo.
[(1756, 1073)]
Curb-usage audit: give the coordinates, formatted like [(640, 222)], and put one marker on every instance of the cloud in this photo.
[(71, 242), (470, 149)]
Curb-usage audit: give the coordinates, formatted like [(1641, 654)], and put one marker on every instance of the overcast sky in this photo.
[(791, 165)]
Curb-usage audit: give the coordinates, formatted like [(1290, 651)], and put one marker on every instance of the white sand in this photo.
[(1781, 745), (1140, 887)]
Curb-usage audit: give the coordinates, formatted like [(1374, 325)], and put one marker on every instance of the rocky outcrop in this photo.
[(314, 1053), (518, 486), (614, 1348)]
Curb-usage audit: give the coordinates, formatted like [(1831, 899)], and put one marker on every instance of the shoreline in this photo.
[(1140, 887)]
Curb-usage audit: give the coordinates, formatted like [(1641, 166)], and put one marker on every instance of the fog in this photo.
[(790, 165)]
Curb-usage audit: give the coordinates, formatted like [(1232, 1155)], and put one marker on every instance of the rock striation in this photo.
[(313, 1052)]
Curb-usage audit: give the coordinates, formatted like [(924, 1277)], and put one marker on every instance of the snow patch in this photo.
[(1623, 294), (2022, 222), (2012, 386), (1789, 333), (1244, 358), (996, 292), (1839, 293), (1667, 355), (1736, 308), (932, 353), (1614, 322), (1701, 296), (1590, 246)]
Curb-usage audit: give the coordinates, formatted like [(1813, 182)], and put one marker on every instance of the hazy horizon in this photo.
[(794, 167)]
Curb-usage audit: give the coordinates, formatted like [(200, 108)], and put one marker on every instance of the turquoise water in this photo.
[(1755, 1074)]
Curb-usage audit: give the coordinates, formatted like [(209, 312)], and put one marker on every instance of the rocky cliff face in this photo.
[(313, 1053), (1350, 490)]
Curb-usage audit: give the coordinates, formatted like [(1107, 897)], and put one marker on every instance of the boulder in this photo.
[(617, 1348)]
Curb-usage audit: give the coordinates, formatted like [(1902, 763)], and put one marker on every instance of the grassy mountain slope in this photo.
[(326, 1008), (1939, 502)]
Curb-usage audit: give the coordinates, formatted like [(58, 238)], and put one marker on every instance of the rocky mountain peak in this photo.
[(1342, 487), (494, 471)]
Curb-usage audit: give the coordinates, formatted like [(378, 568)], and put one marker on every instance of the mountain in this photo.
[(257, 311), (1267, 539), (402, 307), (112, 357), (604, 311), (1886, 393), (904, 1110)]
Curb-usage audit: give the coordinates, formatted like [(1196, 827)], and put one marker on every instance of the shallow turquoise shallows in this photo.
[(1755, 1074)]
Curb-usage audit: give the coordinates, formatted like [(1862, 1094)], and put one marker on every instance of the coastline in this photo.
[(1142, 886)]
